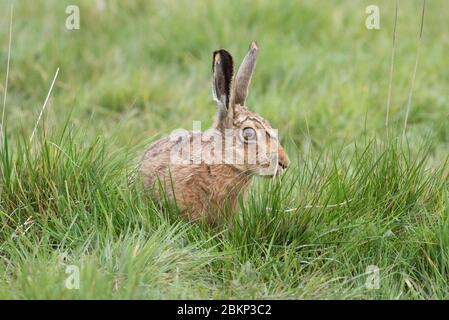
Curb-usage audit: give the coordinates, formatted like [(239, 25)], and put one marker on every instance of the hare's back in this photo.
[(157, 149), (156, 159)]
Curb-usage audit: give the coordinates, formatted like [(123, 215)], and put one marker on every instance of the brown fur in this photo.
[(205, 189)]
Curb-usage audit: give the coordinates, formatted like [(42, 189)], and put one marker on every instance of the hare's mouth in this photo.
[(280, 170), (282, 166), (273, 170)]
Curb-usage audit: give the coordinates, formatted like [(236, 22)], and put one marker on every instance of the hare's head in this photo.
[(249, 138)]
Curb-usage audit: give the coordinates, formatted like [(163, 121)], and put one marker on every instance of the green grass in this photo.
[(136, 71)]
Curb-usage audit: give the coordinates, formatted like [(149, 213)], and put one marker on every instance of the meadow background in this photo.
[(137, 70)]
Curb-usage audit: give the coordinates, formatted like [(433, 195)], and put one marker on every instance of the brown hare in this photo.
[(206, 172)]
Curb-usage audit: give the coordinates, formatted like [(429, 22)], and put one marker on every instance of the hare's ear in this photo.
[(243, 76), (222, 71)]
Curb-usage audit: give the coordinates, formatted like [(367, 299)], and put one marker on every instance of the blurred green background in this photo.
[(142, 68)]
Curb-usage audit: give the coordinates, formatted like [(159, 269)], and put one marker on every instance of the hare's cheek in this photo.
[(249, 153), (262, 152), (262, 159)]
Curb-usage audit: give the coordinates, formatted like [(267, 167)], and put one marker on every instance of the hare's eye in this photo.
[(249, 134)]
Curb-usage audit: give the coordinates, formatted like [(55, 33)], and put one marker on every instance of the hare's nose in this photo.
[(283, 160), (283, 165)]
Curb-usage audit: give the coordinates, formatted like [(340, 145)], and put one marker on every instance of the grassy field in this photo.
[(137, 70)]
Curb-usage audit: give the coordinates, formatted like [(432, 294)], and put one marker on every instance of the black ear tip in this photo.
[(225, 53), (224, 58), (220, 56)]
